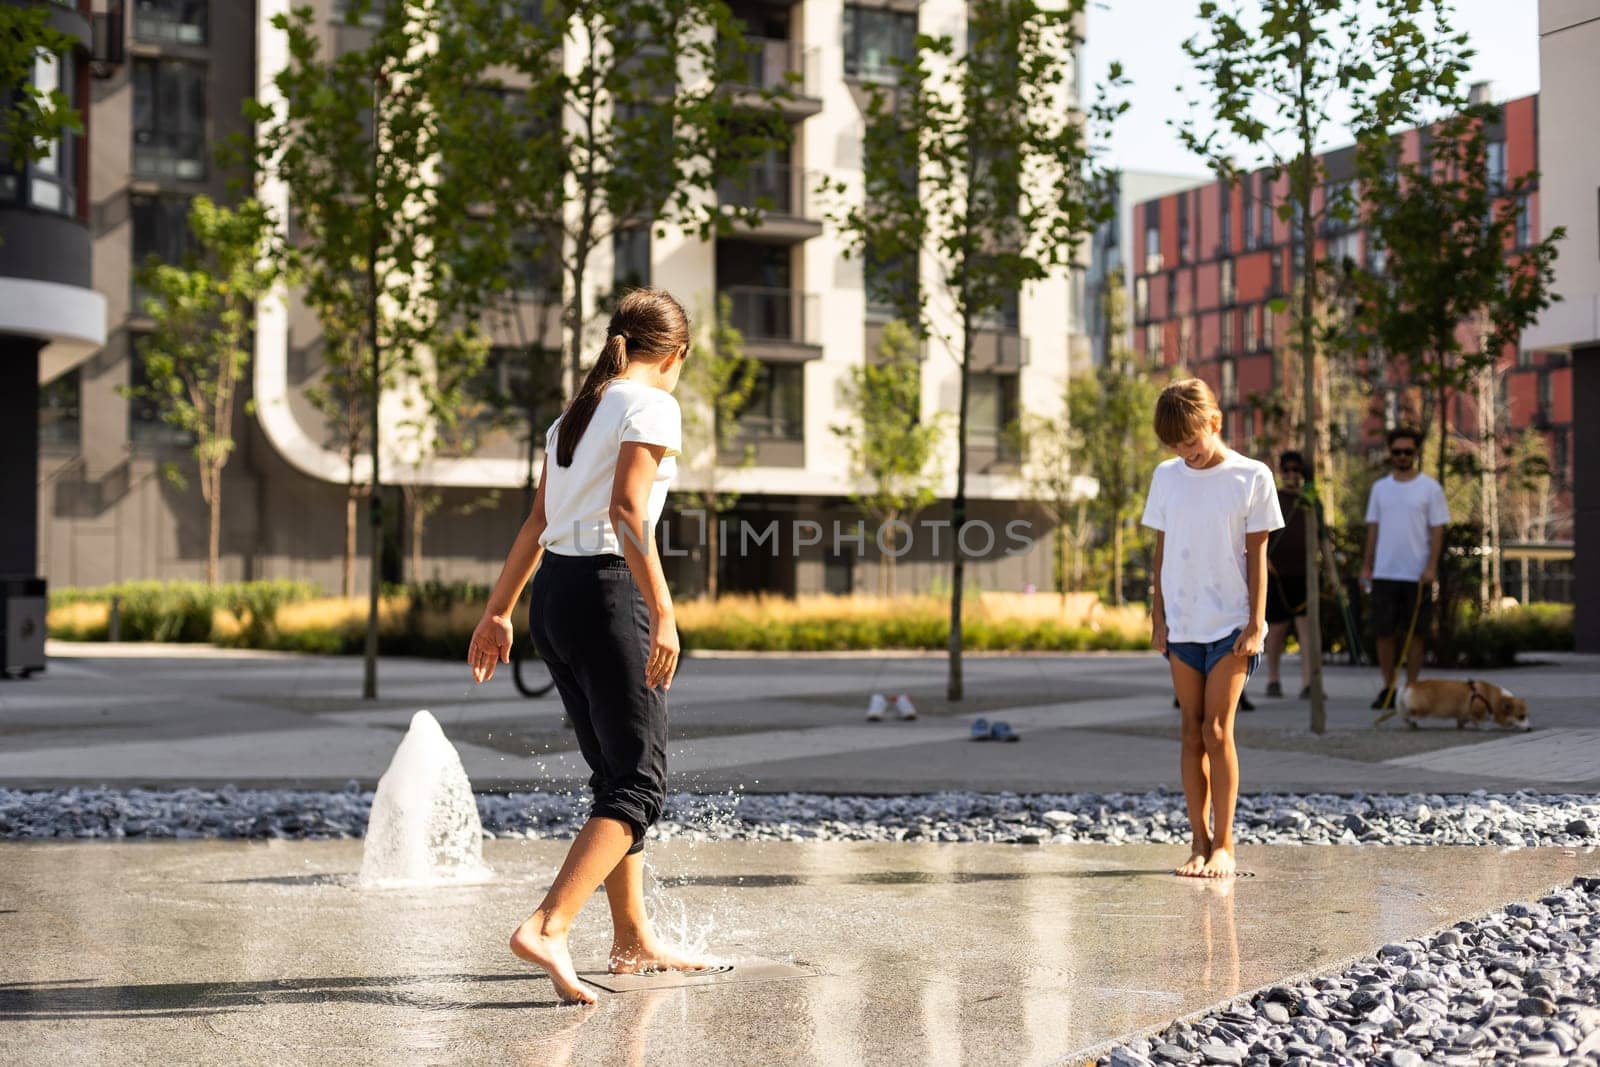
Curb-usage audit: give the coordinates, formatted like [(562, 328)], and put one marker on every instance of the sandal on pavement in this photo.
[(980, 729)]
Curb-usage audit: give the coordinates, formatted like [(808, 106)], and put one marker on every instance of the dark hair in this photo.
[(1291, 456), (648, 325), (1403, 431)]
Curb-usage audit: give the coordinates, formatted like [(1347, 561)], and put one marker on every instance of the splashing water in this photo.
[(424, 828)]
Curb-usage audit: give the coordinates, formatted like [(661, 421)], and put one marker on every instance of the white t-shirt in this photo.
[(577, 499), (1405, 512), (1204, 515)]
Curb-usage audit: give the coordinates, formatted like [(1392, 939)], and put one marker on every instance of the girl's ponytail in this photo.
[(648, 325)]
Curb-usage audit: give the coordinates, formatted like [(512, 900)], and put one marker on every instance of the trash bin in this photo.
[(22, 625)]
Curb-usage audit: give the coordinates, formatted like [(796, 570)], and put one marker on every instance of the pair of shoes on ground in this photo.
[(878, 707), (1275, 689), (984, 730)]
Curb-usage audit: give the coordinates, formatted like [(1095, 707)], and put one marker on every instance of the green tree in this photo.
[(1454, 286), (979, 177), (716, 384), (32, 119), (892, 449), (202, 316), (1111, 410), (1274, 77), (600, 115), (358, 141)]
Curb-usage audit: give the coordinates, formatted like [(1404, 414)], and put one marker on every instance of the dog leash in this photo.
[(1405, 651)]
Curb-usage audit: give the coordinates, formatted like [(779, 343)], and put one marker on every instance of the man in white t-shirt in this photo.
[(1406, 517)]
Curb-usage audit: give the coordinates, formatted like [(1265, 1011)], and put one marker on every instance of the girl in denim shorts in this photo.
[(1212, 510)]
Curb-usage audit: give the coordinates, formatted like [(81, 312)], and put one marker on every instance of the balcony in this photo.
[(779, 325), (775, 64), (784, 194)]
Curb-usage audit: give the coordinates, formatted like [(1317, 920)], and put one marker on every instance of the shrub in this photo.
[(1494, 640), (172, 611)]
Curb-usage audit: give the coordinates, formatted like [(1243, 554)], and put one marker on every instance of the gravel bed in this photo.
[(1520, 986), (1479, 818)]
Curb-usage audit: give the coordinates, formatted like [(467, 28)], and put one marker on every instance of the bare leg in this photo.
[(1277, 638), (1386, 657), (542, 938), (1300, 625), (1189, 687), (1414, 658), (1223, 686), (634, 946)]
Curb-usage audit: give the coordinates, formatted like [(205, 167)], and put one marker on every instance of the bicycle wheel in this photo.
[(529, 675)]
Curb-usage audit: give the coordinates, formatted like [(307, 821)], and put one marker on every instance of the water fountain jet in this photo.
[(424, 827)]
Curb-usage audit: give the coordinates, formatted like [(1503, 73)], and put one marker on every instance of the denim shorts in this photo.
[(1204, 655)]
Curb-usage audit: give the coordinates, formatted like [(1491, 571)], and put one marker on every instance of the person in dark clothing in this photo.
[(1286, 576)]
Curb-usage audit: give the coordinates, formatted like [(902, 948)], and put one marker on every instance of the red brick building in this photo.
[(1209, 261)]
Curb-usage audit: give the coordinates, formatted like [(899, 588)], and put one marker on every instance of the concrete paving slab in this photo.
[(1552, 756), (238, 952)]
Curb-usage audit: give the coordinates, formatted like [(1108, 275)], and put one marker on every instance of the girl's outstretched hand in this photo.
[(491, 644)]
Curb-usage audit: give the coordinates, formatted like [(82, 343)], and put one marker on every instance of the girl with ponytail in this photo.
[(601, 618)]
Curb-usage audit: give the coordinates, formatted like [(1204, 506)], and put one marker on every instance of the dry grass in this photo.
[(79, 621), (1074, 609)]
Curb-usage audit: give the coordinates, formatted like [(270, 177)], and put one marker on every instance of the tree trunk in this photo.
[(1061, 560), (214, 538), (419, 520), (958, 515), (347, 575), (713, 550), (1116, 562), (1304, 189)]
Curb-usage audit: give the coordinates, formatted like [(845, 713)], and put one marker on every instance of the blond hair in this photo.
[(1185, 408)]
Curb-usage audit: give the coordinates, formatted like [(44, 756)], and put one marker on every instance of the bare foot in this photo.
[(1220, 865), (645, 954), (1198, 848), (549, 951)]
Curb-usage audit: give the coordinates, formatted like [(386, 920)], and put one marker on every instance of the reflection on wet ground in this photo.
[(235, 951)]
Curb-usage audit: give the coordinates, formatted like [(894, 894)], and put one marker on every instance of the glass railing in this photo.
[(771, 63), (778, 188), (763, 313)]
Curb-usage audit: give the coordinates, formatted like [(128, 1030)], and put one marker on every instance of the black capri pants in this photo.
[(592, 629)]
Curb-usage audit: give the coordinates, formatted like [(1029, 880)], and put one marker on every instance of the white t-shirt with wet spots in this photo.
[(1205, 515)]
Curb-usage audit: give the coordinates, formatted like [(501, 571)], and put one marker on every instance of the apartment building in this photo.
[(806, 311), (1569, 37), (1212, 260)]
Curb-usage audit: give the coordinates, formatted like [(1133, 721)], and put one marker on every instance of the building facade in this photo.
[(805, 311), (1213, 273), (1569, 39), (51, 317)]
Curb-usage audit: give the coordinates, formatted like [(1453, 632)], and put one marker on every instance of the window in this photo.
[(1172, 294), (1561, 458), (774, 410), (1344, 249), (1247, 211), (1546, 397), (61, 412), (47, 182), (367, 13), (1183, 229), (1377, 255), (1495, 164), (1269, 325), (1229, 382), (1141, 299), (1252, 339), (1275, 283), (1524, 359), (1266, 213), (145, 424), (1338, 201), (1524, 221), (160, 231), (1226, 343), (874, 38), (1152, 239), (1226, 286), (630, 250), (1186, 338), (169, 119), (991, 409), (1225, 222), (170, 21), (1152, 341)]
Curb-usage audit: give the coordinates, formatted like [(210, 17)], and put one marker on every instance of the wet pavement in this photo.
[(222, 951)]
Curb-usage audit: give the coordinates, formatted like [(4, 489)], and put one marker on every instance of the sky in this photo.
[(1147, 37)]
